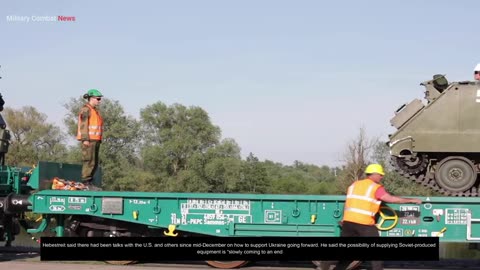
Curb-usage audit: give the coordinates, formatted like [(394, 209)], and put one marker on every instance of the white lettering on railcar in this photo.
[(213, 212), (456, 216)]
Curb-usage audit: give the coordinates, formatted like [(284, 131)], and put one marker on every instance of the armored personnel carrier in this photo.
[(437, 140)]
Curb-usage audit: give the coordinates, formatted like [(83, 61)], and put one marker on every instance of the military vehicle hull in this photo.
[(437, 142)]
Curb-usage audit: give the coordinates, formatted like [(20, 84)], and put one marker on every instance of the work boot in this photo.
[(90, 186)]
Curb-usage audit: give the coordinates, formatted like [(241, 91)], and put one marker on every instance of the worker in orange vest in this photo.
[(90, 133), (362, 204)]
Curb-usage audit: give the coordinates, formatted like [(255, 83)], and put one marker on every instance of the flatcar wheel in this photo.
[(93, 233), (226, 264), (121, 262), (328, 265)]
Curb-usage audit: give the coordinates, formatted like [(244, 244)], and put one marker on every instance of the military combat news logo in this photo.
[(27, 19)]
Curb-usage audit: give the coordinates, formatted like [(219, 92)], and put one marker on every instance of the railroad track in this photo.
[(32, 255)]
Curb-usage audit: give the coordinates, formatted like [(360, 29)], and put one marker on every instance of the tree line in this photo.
[(177, 149)]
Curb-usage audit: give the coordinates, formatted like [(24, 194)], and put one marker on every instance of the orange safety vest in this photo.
[(95, 125), (361, 206)]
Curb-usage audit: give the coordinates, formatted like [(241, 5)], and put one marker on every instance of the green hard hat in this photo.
[(94, 93)]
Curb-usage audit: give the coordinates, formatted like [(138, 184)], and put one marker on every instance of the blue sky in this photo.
[(288, 80)]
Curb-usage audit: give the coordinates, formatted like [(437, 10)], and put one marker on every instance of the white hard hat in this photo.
[(477, 67)]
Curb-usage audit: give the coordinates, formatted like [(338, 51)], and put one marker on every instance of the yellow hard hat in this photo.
[(374, 168)]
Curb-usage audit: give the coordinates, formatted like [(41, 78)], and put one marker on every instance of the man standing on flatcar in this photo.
[(90, 133)]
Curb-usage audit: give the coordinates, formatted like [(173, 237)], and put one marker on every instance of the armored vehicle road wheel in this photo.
[(455, 174), (413, 165), (226, 264)]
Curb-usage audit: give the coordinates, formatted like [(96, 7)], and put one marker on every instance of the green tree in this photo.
[(173, 134), (254, 176), (300, 178), (33, 139), (223, 174), (215, 170)]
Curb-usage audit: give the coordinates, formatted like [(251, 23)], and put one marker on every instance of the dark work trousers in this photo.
[(350, 229), (90, 160)]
